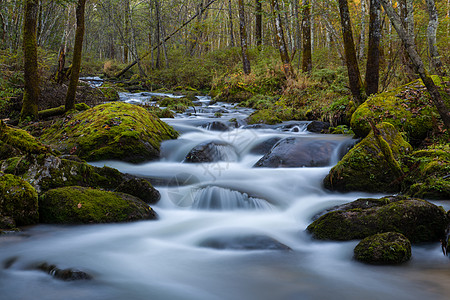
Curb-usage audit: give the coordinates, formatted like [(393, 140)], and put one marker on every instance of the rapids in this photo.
[(227, 201)]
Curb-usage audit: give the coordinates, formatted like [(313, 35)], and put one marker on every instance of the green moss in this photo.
[(384, 248), (111, 91), (74, 204), (113, 130), (409, 108), (21, 140), (264, 116), (178, 104), (366, 167), (418, 220), (18, 200)]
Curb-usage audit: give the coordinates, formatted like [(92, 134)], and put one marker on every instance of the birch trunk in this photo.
[(230, 19), (431, 37)]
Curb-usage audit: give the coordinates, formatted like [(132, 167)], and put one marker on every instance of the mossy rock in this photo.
[(263, 116), (81, 205), (111, 91), (45, 172), (372, 165), (113, 130), (18, 200), (14, 142), (409, 108), (384, 249), (418, 220), (178, 104), (429, 175)]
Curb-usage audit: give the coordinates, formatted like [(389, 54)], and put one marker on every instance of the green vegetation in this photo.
[(74, 205)]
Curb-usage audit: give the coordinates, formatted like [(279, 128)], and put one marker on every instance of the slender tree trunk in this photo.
[(76, 61), (407, 17), (40, 21), (258, 23), (243, 33), (298, 32), (373, 55), (287, 67), (306, 30), (410, 45), (127, 31), (362, 36), (31, 92), (2, 29), (354, 77), (230, 19), (157, 34), (431, 36)]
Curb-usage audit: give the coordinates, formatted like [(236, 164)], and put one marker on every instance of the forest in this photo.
[(184, 134)]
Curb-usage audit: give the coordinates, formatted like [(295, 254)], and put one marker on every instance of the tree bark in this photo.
[(373, 54), (31, 92), (76, 61), (407, 18), (362, 36), (157, 35), (230, 19), (306, 30), (287, 67), (243, 33), (258, 23), (354, 77), (127, 31), (431, 36), (2, 29), (409, 43)]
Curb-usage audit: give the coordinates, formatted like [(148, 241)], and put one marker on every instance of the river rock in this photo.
[(216, 126), (18, 200), (293, 152), (318, 126), (212, 151), (46, 172), (384, 249), (78, 205), (409, 108), (246, 242), (418, 220), (64, 274), (264, 146), (366, 168), (113, 130)]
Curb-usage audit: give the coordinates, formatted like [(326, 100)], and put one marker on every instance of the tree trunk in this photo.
[(298, 32), (431, 36), (230, 17), (373, 55), (157, 35), (258, 23), (127, 31), (287, 67), (354, 77), (243, 33), (31, 92), (76, 61), (409, 43), (407, 18), (306, 30), (2, 29), (362, 36)]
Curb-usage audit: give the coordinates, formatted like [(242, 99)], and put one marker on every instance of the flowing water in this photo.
[(225, 231)]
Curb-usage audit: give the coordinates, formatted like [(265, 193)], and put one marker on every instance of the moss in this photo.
[(264, 116), (21, 140), (74, 205), (113, 130), (18, 199), (418, 220), (366, 167), (384, 248), (409, 108), (178, 104), (111, 91)]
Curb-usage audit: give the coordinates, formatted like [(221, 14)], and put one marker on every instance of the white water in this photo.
[(164, 259)]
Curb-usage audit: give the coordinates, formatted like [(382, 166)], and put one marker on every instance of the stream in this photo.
[(226, 230)]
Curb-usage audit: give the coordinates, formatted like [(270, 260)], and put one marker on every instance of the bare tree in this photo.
[(373, 54), (306, 30), (258, 23), (431, 36), (243, 32)]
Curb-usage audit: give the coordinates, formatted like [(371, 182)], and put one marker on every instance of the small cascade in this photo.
[(217, 198)]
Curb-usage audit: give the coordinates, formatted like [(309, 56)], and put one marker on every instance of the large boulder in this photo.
[(294, 152), (18, 201), (212, 151), (15, 142), (113, 130), (45, 172), (409, 108), (418, 220), (81, 205), (372, 165), (429, 173), (384, 249)]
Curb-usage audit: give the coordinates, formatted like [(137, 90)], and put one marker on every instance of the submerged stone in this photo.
[(384, 249), (373, 165), (64, 274), (78, 205), (245, 242), (212, 151), (113, 130), (418, 220)]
